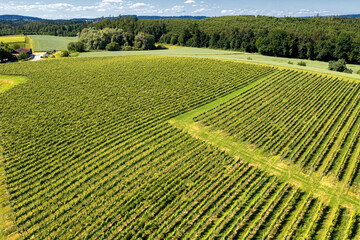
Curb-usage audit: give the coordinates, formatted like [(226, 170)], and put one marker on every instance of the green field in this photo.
[(107, 148), (15, 41), (315, 66), (43, 43)]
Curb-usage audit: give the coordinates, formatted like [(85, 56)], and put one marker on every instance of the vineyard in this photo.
[(89, 152), (307, 119)]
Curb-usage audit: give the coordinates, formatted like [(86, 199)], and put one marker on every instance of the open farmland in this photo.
[(90, 154), (316, 66), (43, 43), (16, 41), (308, 119)]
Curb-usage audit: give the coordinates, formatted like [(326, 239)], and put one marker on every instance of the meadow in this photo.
[(91, 151), (43, 43)]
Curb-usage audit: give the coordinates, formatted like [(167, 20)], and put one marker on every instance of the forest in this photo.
[(318, 38)]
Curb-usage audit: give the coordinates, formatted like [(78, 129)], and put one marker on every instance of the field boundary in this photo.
[(248, 153)]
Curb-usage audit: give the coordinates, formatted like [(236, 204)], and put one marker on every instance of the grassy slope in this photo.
[(315, 66), (248, 153), (42, 43), (6, 225)]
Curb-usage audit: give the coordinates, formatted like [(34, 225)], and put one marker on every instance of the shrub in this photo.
[(160, 47), (339, 66), (65, 54), (302, 63), (23, 56), (358, 72), (76, 47), (113, 46), (249, 58), (290, 62), (127, 48), (144, 41), (348, 70)]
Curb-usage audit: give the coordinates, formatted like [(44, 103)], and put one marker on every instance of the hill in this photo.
[(19, 18), (27, 18)]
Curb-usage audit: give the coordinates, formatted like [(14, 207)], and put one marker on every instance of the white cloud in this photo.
[(139, 5), (228, 12), (112, 1), (201, 10), (174, 10), (122, 7)]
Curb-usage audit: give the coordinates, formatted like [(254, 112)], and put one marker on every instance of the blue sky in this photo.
[(52, 9)]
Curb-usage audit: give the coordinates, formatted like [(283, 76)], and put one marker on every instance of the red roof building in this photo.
[(20, 50)]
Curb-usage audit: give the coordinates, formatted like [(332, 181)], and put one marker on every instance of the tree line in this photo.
[(318, 38), (68, 28)]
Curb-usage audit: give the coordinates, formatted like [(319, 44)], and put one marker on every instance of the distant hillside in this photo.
[(146, 17), (19, 17), (33, 19), (352, 16)]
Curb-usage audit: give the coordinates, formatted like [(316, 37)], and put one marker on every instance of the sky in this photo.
[(65, 9)]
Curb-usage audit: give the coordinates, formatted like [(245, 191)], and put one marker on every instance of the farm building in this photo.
[(20, 50)]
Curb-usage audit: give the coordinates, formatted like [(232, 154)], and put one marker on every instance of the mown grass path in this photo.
[(323, 188), (7, 226)]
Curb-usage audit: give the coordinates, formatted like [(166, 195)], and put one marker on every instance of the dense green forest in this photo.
[(44, 27), (324, 39), (318, 38)]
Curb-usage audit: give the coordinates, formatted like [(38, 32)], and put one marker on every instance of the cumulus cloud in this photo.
[(201, 10), (139, 5), (112, 1), (228, 12), (123, 7), (175, 10)]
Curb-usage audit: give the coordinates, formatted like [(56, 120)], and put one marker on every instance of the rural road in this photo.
[(37, 56)]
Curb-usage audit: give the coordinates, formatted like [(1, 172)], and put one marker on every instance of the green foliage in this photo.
[(99, 39), (298, 136), (290, 62), (100, 145), (339, 66), (23, 56), (323, 39), (302, 63), (5, 52), (358, 72), (45, 27), (113, 46), (88, 147), (348, 70), (144, 41), (76, 47), (128, 48), (65, 54)]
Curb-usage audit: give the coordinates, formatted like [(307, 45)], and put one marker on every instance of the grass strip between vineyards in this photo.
[(250, 154)]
